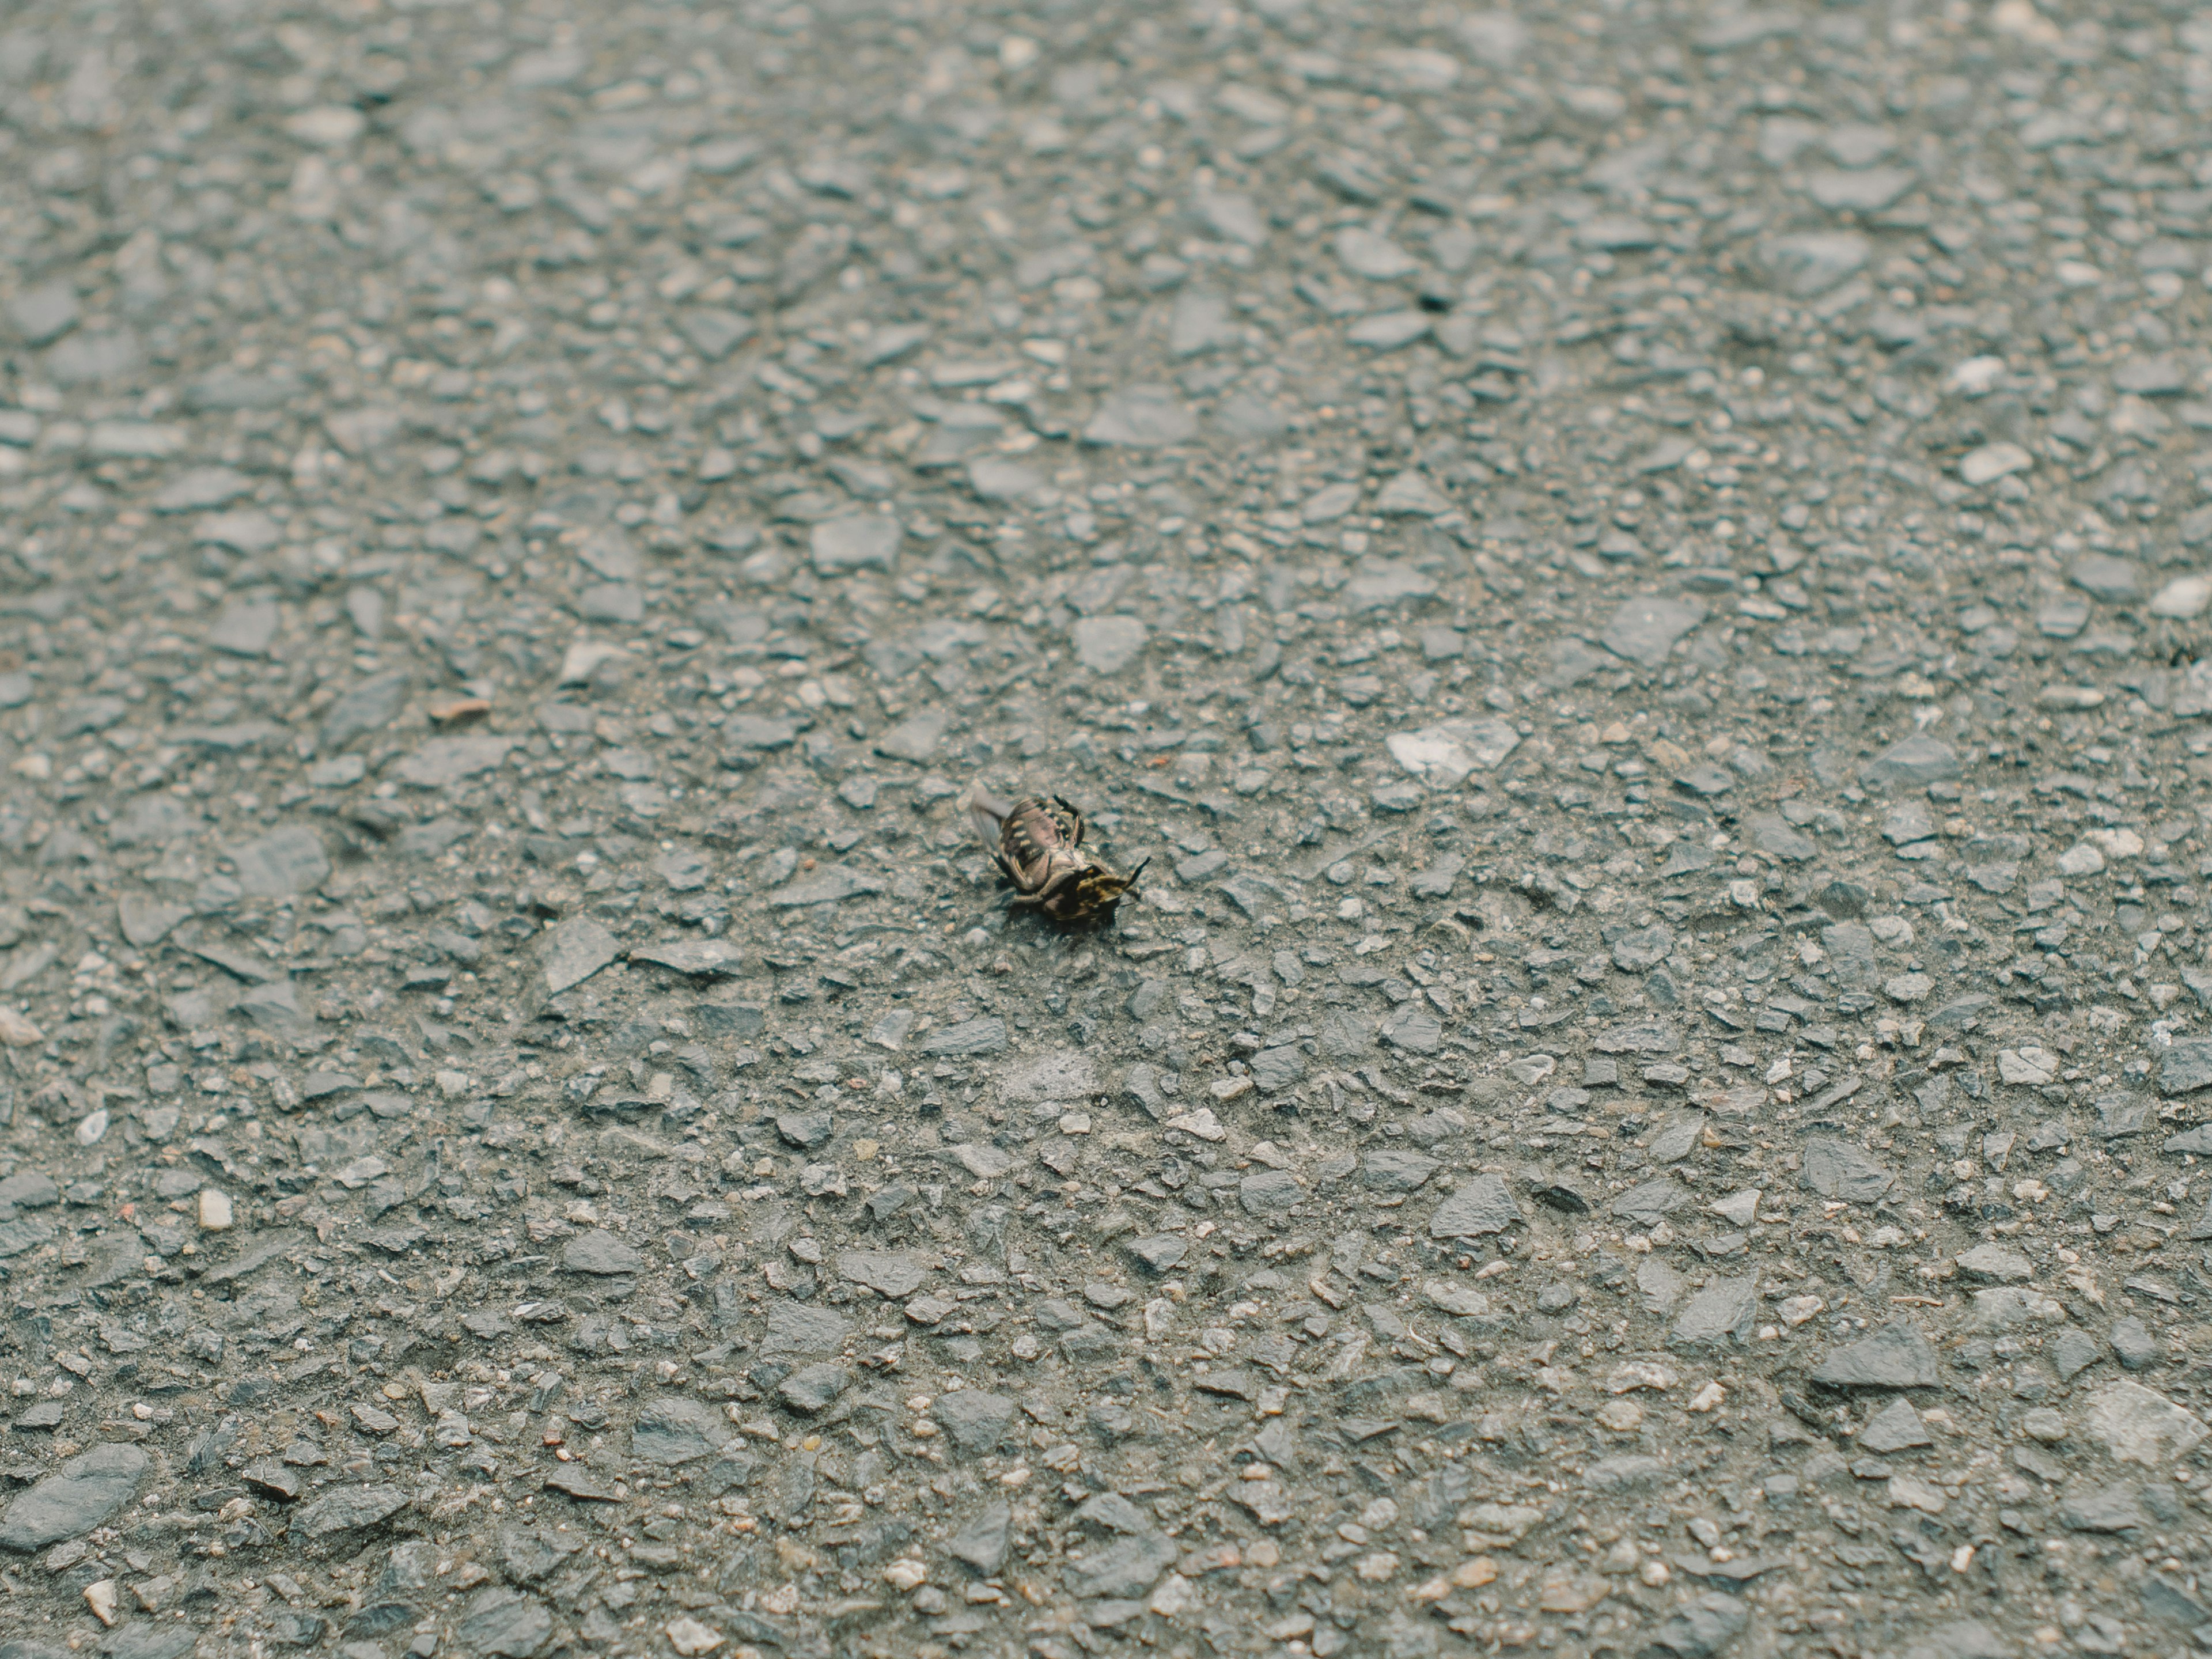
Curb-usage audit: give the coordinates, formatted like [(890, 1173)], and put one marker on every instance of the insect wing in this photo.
[(987, 812)]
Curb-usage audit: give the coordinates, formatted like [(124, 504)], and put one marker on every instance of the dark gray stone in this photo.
[(75, 1498), (1436, 881), (699, 958), (985, 1035), (351, 1509), (1644, 948), (601, 1252), (1159, 1252), (443, 762), (367, 706), (2170, 1604), (829, 885), (1276, 1069), (2071, 1351), (30, 1189), (981, 1542), (17, 1237), (1646, 1037), (814, 1387), (281, 863), (1345, 1036), (1651, 1202), (793, 1328), (2186, 1067), (804, 1130), (504, 1624), (574, 951), (136, 1641), (1630, 1472), (1413, 1028), (1839, 1170), (2133, 1345), (973, 1420), (1700, 1628), (765, 732), (1966, 1638), (1269, 1194), (1850, 948), (1396, 1169), (672, 1430), (2115, 1507), (1109, 1512), (1128, 1568), (1895, 1357), (1995, 1264)]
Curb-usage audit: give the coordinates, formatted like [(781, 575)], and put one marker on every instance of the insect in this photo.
[(1037, 842)]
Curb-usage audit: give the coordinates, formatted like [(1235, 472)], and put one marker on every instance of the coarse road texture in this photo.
[(1640, 575)]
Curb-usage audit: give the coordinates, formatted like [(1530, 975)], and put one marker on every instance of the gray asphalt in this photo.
[(1635, 580)]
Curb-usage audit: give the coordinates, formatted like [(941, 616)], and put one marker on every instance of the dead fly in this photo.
[(1037, 842)]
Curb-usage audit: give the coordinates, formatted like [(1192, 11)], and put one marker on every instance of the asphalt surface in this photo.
[(1635, 580)]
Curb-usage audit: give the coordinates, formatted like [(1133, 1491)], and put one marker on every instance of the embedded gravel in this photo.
[(1638, 581)]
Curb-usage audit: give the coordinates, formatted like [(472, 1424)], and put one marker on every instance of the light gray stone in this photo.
[(895, 1273), (574, 951), (1107, 644), (284, 862), (1395, 1170), (1995, 1264), (985, 1035), (1896, 1427), (1142, 418), (981, 1542), (1646, 629), (857, 541), (367, 705), (915, 737), (1478, 1206), (794, 1328), (443, 762), (602, 1253), (1912, 763), (2137, 1424), (1723, 1312)]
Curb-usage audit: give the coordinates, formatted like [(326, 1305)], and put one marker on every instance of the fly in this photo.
[(1037, 844)]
